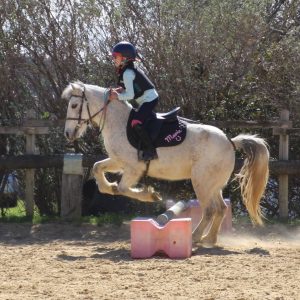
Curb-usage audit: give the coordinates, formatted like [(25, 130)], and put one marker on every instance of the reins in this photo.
[(81, 121)]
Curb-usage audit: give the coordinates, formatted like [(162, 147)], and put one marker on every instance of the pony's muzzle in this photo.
[(69, 136)]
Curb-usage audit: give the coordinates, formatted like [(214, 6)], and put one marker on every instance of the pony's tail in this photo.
[(253, 176)]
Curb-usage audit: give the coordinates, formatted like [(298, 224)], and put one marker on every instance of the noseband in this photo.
[(80, 120)]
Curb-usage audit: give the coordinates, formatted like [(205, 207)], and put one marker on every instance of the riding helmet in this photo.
[(126, 49)]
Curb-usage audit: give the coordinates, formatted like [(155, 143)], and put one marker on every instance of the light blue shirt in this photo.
[(128, 93)]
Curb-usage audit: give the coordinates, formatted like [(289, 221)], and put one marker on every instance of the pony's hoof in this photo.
[(156, 196), (207, 243), (196, 245)]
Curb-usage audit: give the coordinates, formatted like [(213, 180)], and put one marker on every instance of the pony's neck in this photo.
[(115, 115), (115, 118)]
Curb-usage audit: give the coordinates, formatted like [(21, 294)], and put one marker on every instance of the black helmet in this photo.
[(126, 49)]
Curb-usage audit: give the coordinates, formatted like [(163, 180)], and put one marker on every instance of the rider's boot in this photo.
[(149, 151)]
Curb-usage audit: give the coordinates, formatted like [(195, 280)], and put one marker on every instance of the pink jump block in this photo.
[(148, 238)]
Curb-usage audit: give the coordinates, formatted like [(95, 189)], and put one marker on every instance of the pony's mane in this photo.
[(69, 90)]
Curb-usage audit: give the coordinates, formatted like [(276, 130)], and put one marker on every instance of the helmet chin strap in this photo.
[(124, 63)]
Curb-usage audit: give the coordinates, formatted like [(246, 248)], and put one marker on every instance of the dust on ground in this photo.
[(67, 261)]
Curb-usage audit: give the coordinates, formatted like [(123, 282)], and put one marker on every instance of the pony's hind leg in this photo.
[(203, 185), (219, 205), (207, 187), (207, 217)]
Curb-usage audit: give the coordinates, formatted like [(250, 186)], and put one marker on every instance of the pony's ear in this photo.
[(77, 89)]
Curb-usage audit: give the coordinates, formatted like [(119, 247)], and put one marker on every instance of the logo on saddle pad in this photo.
[(164, 132), (176, 135)]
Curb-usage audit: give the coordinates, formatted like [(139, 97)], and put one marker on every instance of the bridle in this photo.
[(81, 121)]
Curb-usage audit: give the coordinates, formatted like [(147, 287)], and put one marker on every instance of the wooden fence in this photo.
[(73, 164)]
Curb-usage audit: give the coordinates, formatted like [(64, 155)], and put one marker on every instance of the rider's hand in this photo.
[(113, 95), (119, 89)]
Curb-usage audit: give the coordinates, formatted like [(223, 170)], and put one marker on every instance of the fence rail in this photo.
[(33, 161)]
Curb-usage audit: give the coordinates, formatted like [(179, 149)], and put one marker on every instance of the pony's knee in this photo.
[(97, 168)]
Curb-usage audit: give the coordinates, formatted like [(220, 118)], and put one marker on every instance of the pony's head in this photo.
[(83, 108)]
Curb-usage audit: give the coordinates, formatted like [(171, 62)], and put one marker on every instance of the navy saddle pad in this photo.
[(165, 129)]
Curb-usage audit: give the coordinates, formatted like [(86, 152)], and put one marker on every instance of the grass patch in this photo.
[(15, 214), (295, 222), (18, 215)]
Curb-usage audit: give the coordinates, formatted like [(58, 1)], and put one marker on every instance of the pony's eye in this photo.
[(74, 105)]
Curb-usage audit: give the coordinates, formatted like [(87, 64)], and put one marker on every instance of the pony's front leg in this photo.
[(99, 169), (130, 178)]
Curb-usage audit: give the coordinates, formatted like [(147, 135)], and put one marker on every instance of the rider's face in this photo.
[(118, 59)]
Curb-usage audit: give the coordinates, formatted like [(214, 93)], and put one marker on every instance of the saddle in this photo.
[(164, 129)]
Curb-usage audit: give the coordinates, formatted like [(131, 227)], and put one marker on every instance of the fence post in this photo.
[(283, 178), (29, 173), (71, 193)]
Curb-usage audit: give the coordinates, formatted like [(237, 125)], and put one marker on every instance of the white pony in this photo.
[(206, 156)]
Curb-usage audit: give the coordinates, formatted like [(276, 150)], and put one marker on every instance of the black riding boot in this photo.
[(149, 151)]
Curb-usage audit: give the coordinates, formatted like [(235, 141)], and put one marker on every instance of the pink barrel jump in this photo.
[(148, 237)]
